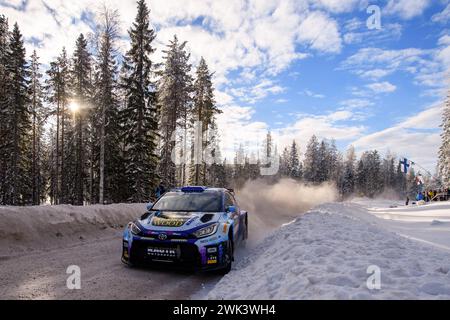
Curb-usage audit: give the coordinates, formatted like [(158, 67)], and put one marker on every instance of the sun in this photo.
[(74, 107)]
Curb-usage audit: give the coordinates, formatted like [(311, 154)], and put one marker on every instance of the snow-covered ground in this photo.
[(24, 229), (428, 223), (326, 254)]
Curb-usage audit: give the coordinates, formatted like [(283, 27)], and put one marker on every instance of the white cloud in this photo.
[(416, 138), (356, 104), (406, 9), (374, 74), (329, 126), (389, 32), (311, 94), (257, 92), (427, 66), (444, 40), (442, 17), (321, 33), (236, 127), (339, 6), (382, 87)]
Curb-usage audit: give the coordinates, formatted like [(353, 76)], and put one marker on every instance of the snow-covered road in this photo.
[(38, 244), (326, 254), (42, 275), (428, 223)]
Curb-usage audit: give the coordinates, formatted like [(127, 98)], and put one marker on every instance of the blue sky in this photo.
[(295, 67)]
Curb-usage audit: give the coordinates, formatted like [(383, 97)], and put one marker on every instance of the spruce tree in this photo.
[(4, 103), (18, 122), (82, 88), (311, 162), (203, 113), (323, 170), (444, 150), (57, 87), (285, 163), (174, 98), (369, 180), (294, 162), (140, 113), (349, 175), (39, 114), (111, 163)]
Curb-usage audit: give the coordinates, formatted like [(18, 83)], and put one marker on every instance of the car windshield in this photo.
[(193, 202)]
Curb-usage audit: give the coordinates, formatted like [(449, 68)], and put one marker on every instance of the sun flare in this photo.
[(74, 107)]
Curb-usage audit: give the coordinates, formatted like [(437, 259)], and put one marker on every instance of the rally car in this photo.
[(197, 227)]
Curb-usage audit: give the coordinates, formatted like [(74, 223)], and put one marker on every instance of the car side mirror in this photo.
[(231, 209), (149, 206)]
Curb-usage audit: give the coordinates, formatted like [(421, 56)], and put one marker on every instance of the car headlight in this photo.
[(134, 228), (207, 231)]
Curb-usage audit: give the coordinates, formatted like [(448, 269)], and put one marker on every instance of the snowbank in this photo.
[(429, 223), (24, 229), (325, 255)]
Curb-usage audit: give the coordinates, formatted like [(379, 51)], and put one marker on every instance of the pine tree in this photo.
[(323, 170), (294, 162), (349, 175), (388, 171), (174, 98), (18, 123), (444, 151), (369, 180), (111, 163), (311, 162), (239, 178), (39, 114), (82, 88), (57, 86), (203, 113), (4, 106), (140, 112), (285, 163), (334, 159)]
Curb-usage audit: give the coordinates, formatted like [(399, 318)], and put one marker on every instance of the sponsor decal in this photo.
[(162, 252), (160, 222)]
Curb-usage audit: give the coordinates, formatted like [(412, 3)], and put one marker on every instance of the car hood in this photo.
[(169, 220)]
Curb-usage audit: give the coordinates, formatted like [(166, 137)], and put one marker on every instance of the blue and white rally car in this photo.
[(196, 227)]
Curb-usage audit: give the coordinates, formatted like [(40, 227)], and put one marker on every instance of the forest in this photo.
[(105, 127)]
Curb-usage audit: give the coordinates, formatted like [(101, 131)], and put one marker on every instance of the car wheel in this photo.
[(246, 228), (228, 258)]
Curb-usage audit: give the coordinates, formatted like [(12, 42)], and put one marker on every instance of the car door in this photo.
[(229, 201)]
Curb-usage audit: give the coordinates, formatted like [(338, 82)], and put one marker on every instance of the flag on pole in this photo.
[(406, 164)]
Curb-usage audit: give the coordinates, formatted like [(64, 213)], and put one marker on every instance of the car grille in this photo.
[(188, 253)]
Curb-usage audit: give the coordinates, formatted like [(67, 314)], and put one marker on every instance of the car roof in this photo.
[(195, 189)]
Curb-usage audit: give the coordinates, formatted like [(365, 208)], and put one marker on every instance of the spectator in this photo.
[(430, 195)]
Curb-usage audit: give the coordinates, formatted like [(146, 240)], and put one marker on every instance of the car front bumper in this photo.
[(201, 254)]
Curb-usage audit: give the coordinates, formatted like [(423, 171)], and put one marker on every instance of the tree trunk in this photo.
[(102, 157)]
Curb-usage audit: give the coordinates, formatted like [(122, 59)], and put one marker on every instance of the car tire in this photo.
[(228, 258)]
